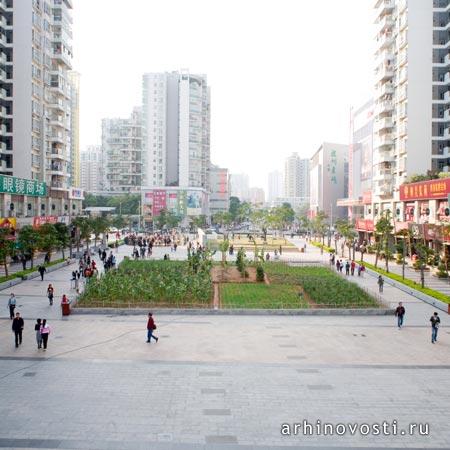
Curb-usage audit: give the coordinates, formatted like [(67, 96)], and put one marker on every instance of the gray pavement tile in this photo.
[(308, 371), (216, 412), (29, 374), (287, 345), (221, 439), (210, 374), (320, 387), (213, 391), (296, 357)]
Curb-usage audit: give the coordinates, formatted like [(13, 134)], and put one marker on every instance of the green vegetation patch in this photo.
[(260, 296), (150, 283), (322, 286)]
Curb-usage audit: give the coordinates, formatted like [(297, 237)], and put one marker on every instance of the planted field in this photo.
[(260, 296), (150, 283), (322, 287)]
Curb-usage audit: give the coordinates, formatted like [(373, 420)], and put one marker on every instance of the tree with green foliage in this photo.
[(48, 238), (99, 226), (62, 237), (320, 227), (224, 219), (118, 221), (383, 230), (235, 203), (347, 230), (244, 212), (6, 247), (84, 231), (198, 222), (28, 241), (223, 247), (423, 254), (260, 217)]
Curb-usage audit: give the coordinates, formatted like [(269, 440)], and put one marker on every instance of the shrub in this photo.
[(259, 273)]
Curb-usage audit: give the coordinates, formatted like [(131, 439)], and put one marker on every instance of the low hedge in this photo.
[(22, 273), (325, 247), (410, 283)]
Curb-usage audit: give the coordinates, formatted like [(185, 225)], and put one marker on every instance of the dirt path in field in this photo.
[(307, 298), (216, 295), (231, 274)]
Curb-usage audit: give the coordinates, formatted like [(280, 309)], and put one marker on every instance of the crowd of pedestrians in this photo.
[(349, 266)]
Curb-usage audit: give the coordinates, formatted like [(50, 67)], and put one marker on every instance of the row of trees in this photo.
[(49, 238)]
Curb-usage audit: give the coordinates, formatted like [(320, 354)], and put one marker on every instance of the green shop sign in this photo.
[(22, 186)]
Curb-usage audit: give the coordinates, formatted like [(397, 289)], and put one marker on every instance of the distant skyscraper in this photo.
[(256, 196), (92, 169), (239, 186), (122, 152), (176, 112), (296, 177), (275, 185)]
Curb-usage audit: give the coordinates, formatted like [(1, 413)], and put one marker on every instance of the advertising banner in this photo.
[(76, 193), (416, 230), (425, 190), (194, 203), (40, 220), (364, 225), (432, 232), (9, 222), (159, 201)]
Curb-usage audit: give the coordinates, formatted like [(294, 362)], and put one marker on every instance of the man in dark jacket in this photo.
[(150, 327), (435, 322), (400, 314), (17, 327), (42, 270)]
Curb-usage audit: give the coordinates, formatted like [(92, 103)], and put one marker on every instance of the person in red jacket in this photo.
[(150, 327)]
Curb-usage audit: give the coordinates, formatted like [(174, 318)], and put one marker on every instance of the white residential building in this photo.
[(275, 186), (240, 187), (74, 83), (176, 115), (257, 196), (122, 152), (296, 177), (92, 169)]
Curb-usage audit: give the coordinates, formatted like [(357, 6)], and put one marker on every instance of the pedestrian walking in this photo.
[(17, 327), (400, 314), (73, 279), (347, 268), (380, 282), (37, 330), (435, 323), (45, 332), (42, 270), (352, 267), (12, 302), (50, 294), (150, 328)]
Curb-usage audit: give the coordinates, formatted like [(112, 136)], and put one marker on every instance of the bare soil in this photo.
[(232, 275)]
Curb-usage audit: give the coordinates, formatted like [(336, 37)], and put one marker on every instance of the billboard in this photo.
[(22, 186), (425, 190)]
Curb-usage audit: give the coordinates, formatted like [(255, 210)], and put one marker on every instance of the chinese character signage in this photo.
[(364, 225), (425, 190), (38, 221), (331, 168), (159, 201), (21, 186)]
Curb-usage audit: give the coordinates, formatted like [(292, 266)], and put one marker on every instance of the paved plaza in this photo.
[(220, 382)]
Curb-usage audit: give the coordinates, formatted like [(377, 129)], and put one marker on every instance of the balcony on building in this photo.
[(383, 124), (62, 56), (384, 72), (384, 107), (441, 4)]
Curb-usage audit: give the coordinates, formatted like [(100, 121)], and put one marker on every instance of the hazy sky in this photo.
[(283, 73)]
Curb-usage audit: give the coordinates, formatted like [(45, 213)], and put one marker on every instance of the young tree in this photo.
[(62, 237), (383, 229), (235, 203), (99, 225), (118, 221), (6, 247), (320, 227), (28, 241), (48, 238), (84, 231), (223, 247)]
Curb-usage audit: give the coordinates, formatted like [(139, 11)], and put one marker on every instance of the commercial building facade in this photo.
[(219, 200), (328, 179), (122, 141)]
